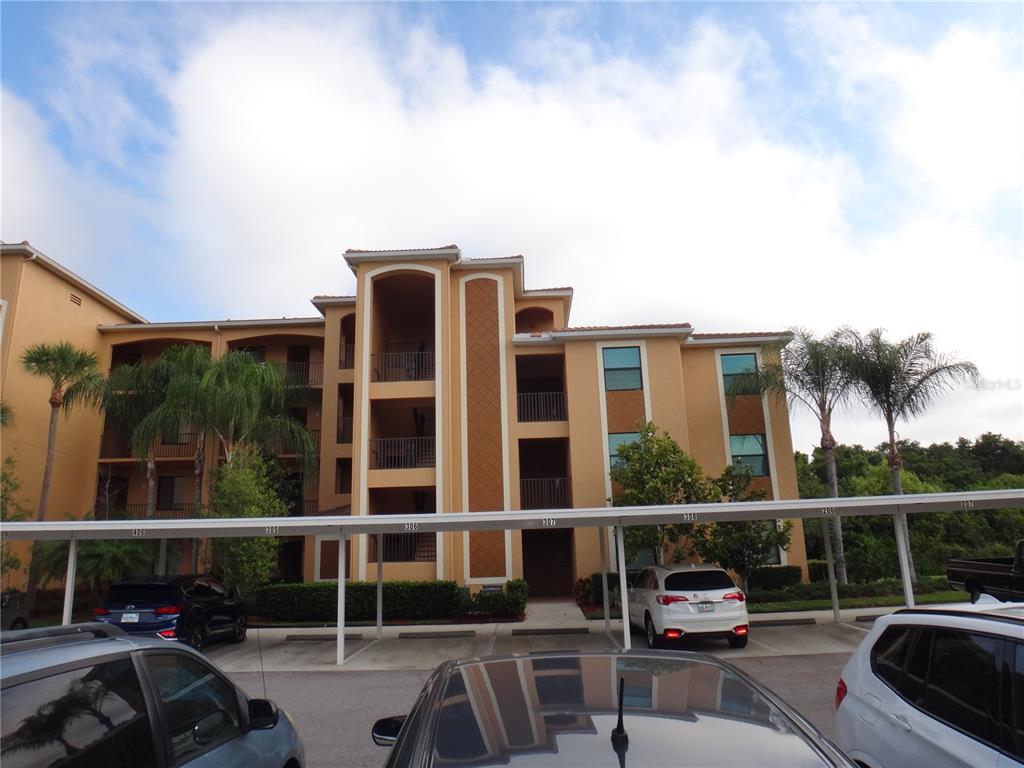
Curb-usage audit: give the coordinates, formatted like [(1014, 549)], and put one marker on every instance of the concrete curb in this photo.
[(319, 638), (552, 631), (780, 622), (434, 635)]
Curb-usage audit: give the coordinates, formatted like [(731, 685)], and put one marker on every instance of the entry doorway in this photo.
[(547, 561)]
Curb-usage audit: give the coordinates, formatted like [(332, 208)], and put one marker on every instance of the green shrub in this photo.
[(818, 590), (775, 577), (597, 590), (581, 592), (817, 570), (318, 601)]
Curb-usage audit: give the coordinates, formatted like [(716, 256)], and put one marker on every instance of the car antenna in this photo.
[(620, 739)]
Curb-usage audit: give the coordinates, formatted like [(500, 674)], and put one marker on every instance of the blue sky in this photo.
[(214, 160)]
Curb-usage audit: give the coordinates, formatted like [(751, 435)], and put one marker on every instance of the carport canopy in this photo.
[(601, 517)]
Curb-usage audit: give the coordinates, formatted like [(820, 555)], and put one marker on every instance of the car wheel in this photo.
[(653, 641), (238, 633), (739, 641), (196, 637), (19, 624)]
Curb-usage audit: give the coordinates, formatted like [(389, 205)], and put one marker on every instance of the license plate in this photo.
[(129, 618), (705, 607)]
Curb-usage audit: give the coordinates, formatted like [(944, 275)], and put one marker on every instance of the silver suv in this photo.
[(90, 695)]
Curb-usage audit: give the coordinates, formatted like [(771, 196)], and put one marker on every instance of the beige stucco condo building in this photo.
[(445, 384)]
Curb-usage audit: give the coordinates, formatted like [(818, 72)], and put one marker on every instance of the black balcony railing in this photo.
[(347, 359), (403, 366), (303, 507), (405, 548), (402, 452), (304, 374), (345, 429), (542, 406), (164, 511), (284, 446), (544, 493)]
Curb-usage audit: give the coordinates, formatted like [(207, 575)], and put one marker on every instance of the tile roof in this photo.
[(392, 250), (326, 296), (495, 258), (743, 334), (549, 288), (648, 327)]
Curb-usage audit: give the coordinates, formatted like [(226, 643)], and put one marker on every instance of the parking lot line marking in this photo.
[(763, 645), (368, 645), (854, 626), (490, 643)]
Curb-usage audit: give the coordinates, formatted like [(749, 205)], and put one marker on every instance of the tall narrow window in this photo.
[(614, 441), (751, 451), (622, 368), (736, 370)]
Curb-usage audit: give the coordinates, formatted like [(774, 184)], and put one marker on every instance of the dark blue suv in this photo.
[(191, 609)]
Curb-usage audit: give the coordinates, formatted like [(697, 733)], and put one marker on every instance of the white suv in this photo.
[(937, 687), (671, 602)]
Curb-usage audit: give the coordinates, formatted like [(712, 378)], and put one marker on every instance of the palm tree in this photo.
[(6, 414), (900, 380), (74, 379), (816, 374)]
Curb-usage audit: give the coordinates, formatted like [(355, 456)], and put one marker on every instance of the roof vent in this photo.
[(76, 299)]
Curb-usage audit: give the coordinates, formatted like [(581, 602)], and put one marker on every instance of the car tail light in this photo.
[(742, 629), (671, 634), (669, 599), (737, 596), (170, 634), (100, 612), (167, 610), (840, 692)]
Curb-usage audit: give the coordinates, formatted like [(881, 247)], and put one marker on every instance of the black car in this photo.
[(190, 609), (636, 709)]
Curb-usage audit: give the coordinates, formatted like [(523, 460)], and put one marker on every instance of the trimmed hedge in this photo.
[(596, 591), (817, 570), (774, 577), (403, 600), (818, 590)]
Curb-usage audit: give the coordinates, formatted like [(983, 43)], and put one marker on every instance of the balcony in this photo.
[(347, 359), (544, 493), (172, 511), (344, 430), (405, 548), (304, 374), (403, 366), (402, 452), (179, 446), (303, 507), (542, 406)]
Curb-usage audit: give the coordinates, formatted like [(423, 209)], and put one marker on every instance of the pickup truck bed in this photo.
[(1001, 577)]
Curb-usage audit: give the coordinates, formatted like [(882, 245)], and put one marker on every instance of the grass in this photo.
[(881, 601)]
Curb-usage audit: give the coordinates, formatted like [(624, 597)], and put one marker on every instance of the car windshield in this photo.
[(688, 581), (140, 593)]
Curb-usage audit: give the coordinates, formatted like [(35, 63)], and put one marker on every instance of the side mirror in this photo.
[(385, 732), (209, 727), (263, 714), (233, 593)]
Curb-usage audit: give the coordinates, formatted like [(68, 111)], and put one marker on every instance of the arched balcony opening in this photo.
[(534, 320)]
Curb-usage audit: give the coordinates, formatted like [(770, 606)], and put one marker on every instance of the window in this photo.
[(260, 353), (963, 680), (698, 581), (736, 370), (169, 492), (889, 654), (193, 694), (90, 716), (912, 685), (622, 368), (751, 451), (615, 440), (1018, 697)]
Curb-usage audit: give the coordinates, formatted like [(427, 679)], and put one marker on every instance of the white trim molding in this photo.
[(464, 419)]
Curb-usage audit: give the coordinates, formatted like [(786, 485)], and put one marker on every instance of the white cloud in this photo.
[(656, 188)]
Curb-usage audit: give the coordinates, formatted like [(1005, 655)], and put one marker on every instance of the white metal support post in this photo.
[(623, 600), (380, 585), (603, 535), (342, 573), (826, 533), (901, 549), (69, 582)]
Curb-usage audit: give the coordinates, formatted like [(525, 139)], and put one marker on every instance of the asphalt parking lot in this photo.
[(334, 708)]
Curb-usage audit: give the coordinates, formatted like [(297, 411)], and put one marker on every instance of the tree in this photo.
[(244, 488), (100, 561), (654, 470), (815, 373), (741, 545), (75, 379), (901, 380), (11, 509)]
